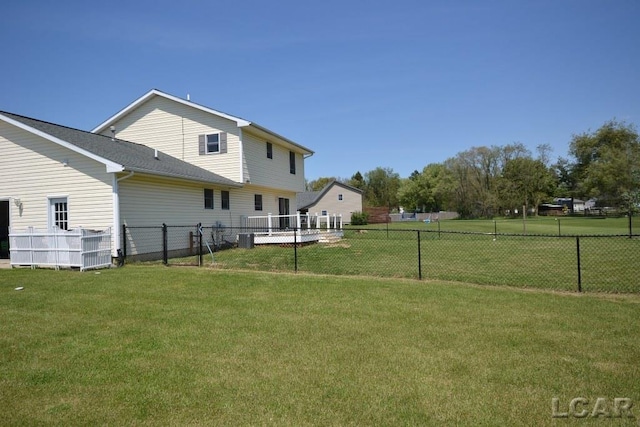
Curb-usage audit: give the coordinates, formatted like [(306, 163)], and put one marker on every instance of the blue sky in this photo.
[(396, 84)]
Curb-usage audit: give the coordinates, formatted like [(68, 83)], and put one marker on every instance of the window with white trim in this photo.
[(208, 198), (59, 213), (257, 199), (225, 200), (213, 143)]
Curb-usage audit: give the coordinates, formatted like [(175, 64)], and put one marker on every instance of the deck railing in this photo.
[(269, 224), (80, 248)]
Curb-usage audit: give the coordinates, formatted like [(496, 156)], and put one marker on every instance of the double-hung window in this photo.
[(292, 162), (257, 199), (225, 200), (212, 143), (208, 198)]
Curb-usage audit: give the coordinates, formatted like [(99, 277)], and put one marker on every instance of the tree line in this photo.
[(482, 182)]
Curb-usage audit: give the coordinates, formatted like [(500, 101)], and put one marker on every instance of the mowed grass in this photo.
[(547, 225), (153, 345), (607, 264)]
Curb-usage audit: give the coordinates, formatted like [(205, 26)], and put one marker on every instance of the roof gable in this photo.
[(310, 198), (116, 154), (241, 123)]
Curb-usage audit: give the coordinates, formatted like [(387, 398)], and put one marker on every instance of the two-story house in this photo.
[(161, 159)]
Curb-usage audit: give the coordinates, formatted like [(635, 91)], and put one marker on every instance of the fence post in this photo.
[(295, 249), (419, 258), (495, 229), (165, 254), (438, 229), (199, 244), (124, 240), (579, 272), (630, 223)]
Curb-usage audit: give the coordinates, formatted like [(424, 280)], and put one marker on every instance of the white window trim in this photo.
[(206, 143), (50, 206)]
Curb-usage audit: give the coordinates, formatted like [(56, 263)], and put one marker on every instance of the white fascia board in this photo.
[(154, 92), (111, 166)]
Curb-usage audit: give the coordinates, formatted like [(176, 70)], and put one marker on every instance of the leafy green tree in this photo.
[(607, 164), (357, 181), (381, 187), (525, 181), (320, 183)]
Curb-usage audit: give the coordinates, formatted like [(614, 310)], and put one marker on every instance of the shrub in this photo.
[(359, 218)]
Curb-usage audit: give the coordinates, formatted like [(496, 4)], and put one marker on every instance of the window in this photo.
[(208, 198), (213, 143), (59, 213), (340, 197), (324, 213), (257, 201), (292, 162), (269, 150), (225, 200)]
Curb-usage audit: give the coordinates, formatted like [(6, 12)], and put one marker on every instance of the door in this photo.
[(283, 209), (4, 229)]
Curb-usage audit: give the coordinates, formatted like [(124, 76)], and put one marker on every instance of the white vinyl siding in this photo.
[(274, 172), (175, 128), (32, 169)]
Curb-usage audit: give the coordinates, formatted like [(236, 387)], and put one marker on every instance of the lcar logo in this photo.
[(580, 407)]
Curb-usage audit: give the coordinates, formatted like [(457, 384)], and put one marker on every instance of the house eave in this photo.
[(110, 165)]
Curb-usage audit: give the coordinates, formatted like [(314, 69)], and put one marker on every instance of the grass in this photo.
[(553, 226), (153, 345), (607, 264)]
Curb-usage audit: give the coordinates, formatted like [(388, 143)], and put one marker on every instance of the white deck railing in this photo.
[(79, 248), (269, 224)]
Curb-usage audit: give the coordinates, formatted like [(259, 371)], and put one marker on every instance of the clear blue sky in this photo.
[(397, 84)]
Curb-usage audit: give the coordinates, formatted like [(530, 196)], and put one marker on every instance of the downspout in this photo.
[(116, 210), (241, 155)]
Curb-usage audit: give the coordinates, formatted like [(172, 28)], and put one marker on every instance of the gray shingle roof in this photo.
[(132, 156), (309, 198)]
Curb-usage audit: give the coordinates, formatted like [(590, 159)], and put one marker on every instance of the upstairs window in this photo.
[(208, 198), (257, 201), (269, 150), (213, 143), (292, 162), (225, 200)]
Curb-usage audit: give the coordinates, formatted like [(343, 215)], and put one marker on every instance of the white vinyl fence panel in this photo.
[(79, 248)]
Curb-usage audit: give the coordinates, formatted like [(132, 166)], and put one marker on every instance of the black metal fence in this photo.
[(599, 263)]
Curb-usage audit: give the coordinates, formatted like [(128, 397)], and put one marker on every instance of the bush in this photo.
[(359, 218)]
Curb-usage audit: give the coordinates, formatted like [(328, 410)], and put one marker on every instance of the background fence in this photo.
[(603, 263)]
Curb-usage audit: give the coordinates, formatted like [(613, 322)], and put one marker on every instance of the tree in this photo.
[(607, 164), (525, 181), (357, 181), (424, 190), (320, 183), (381, 187)]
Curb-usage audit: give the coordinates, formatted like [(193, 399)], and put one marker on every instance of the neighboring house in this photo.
[(572, 204), (187, 164), (335, 198)]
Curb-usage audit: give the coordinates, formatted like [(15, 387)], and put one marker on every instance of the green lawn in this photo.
[(533, 225), (153, 345), (607, 264)]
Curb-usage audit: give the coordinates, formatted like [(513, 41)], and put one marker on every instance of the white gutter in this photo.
[(116, 211)]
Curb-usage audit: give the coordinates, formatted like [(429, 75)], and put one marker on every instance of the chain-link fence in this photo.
[(560, 262)]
